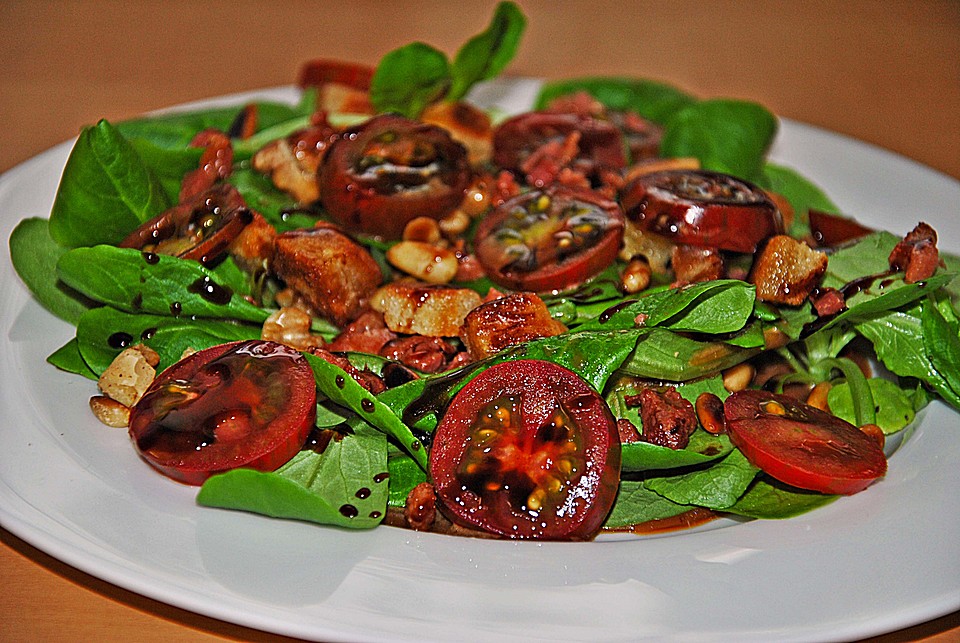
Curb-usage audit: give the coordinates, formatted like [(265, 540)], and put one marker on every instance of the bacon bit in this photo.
[(628, 431), (544, 164), (420, 508), (366, 334), (828, 301), (424, 354), (580, 103), (505, 188), (640, 320), (216, 163), (668, 419), (916, 255)]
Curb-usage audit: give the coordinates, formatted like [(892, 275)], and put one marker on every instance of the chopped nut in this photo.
[(736, 378), (636, 276), (110, 412), (424, 261), (128, 376), (423, 229), (818, 396), (290, 326)]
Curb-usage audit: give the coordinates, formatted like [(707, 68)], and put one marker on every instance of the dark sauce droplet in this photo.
[(176, 308), (367, 405), (119, 340), (381, 477), (415, 446), (211, 291), (137, 301), (363, 493), (606, 315), (349, 511), (340, 381), (148, 334), (151, 258), (375, 514)]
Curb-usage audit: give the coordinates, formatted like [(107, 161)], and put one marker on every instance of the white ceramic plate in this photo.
[(878, 561)]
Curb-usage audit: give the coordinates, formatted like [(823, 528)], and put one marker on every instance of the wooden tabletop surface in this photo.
[(884, 72)]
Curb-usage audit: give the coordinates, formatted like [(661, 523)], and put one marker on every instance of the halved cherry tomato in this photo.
[(599, 143), (802, 445), (702, 208), (527, 450), (549, 240), (200, 228), (245, 404), (834, 230), (379, 175)]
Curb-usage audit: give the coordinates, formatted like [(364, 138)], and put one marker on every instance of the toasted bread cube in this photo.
[(507, 321), (424, 309), (786, 271)]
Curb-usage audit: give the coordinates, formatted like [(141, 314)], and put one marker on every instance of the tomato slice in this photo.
[(834, 230), (701, 208), (245, 404), (200, 228), (379, 175), (802, 445), (527, 450), (549, 240)]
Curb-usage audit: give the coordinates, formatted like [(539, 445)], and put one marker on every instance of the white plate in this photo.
[(878, 561)]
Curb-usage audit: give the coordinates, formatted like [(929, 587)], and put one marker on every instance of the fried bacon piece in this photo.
[(507, 321), (332, 273), (786, 271), (668, 419), (424, 354), (366, 334), (216, 163), (916, 255), (292, 162)]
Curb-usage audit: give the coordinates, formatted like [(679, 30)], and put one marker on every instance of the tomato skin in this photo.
[(802, 445), (543, 266), (489, 482), (378, 176), (701, 208), (830, 230), (243, 404)]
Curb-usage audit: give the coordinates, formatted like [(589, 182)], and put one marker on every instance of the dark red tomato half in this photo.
[(802, 445), (830, 230), (549, 240), (600, 144), (701, 208), (379, 175), (527, 450), (245, 404)]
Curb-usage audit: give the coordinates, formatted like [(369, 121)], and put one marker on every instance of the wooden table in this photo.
[(887, 73)]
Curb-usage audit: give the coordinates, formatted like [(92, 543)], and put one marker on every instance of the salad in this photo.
[(384, 304)]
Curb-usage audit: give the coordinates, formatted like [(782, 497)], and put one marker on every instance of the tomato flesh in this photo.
[(701, 208), (549, 240), (802, 445), (379, 175), (527, 450), (245, 404)]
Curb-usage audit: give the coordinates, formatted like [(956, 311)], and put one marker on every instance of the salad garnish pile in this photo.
[(386, 304)]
